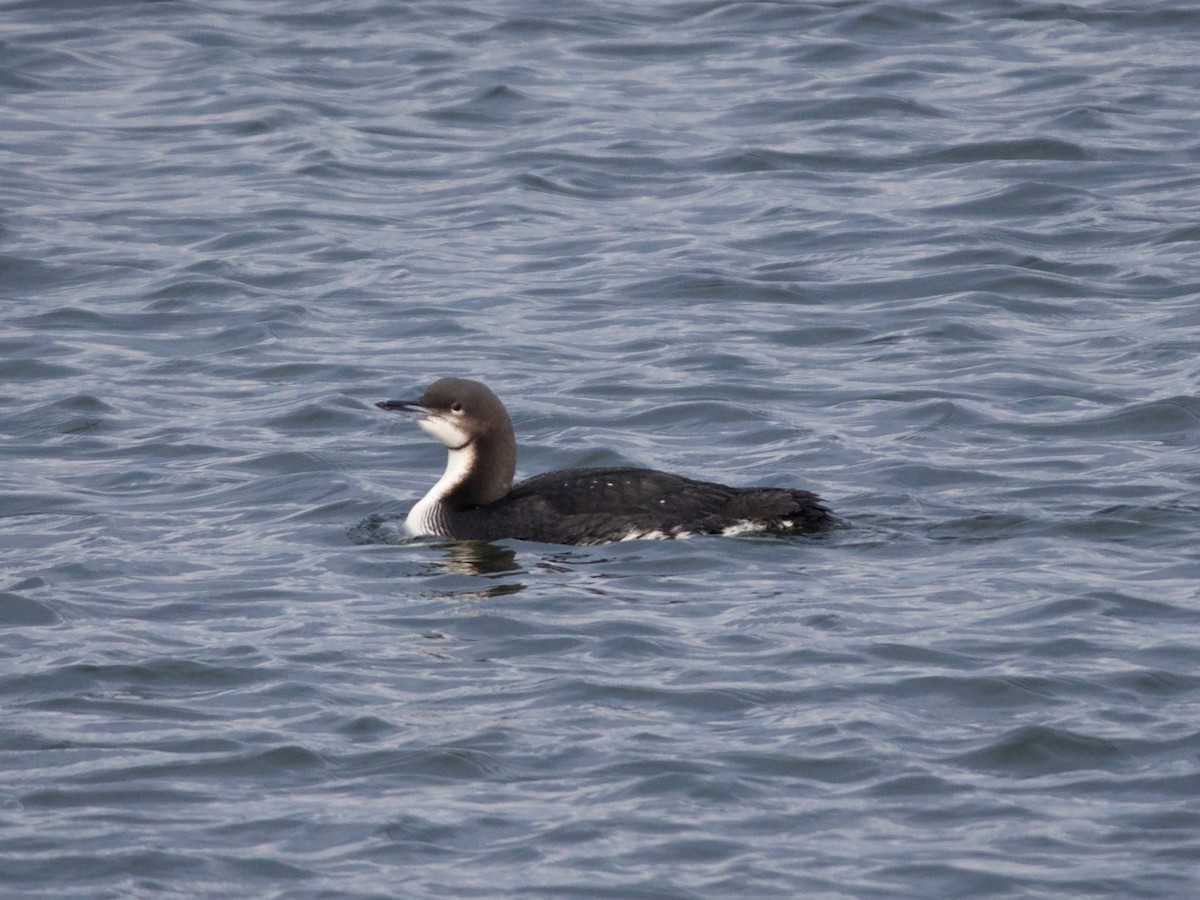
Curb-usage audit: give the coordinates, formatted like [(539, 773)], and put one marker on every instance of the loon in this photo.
[(475, 498)]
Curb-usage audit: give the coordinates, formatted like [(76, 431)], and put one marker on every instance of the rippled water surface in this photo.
[(938, 262)]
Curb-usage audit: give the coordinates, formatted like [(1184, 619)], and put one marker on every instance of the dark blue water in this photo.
[(939, 262)]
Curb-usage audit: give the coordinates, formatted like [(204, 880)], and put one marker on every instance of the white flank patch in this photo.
[(645, 536), (423, 518), (657, 535), (743, 527)]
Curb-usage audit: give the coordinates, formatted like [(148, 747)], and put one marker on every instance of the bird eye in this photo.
[(456, 407)]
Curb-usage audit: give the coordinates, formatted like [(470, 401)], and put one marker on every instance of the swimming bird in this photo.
[(475, 498)]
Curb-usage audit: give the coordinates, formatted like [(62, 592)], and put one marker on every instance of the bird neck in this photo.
[(481, 472)]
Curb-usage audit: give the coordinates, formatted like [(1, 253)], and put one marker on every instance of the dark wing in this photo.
[(594, 505)]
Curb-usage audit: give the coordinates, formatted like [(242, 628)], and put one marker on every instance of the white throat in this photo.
[(428, 516), (444, 430)]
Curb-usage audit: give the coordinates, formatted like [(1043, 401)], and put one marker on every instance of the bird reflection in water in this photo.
[(478, 558)]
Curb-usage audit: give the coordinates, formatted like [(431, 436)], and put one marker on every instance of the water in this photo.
[(937, 262)]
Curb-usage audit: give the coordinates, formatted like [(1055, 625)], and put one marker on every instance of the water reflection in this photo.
[(478, 558)]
